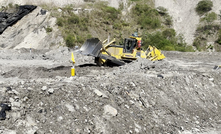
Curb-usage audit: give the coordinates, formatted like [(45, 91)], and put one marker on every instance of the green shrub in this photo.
[(156, 40), (10, 5), (80, 39), (200, 43), (70, 40), (169, 33), (73, 19), (219, 37), (208, 29), (60, 22), (48, 29), (146, 17), (89, 0), (209, 18), (204, 6), (166, 40), (168, 20), (110, 13), (117, 26), (125, 24)]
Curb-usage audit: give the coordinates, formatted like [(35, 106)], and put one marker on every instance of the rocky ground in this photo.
[(179, 95)]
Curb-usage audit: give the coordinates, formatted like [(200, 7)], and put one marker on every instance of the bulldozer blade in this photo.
[(91, 47)]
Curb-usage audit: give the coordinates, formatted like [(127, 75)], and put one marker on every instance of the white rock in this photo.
[(44, 88), (4, 89), (9, 132), (15, 115), (136, 130), (51, 91), (70, 107), (132, 84), (16, 104), (127, 106), (32, 130), (109, 110), (99, 93), (25, 98), (60, 118), (15, 92), (59, 10), (211, 79), (30, 121)]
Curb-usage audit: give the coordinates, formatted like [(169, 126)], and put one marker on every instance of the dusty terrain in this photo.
[(180, 94)]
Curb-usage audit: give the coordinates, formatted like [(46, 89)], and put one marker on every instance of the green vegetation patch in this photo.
[(103, 20), (74, 27), (166, 40), (146, 16), (209, 18), (204, 6)]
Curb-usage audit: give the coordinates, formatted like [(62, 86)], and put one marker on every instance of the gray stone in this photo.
[(44, 88), (51, 91), (70, 107), (109, 110), (99, 93)]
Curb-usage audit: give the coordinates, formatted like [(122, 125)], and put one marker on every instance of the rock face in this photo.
[(39, 2), (9, 19), (30, 32), (185, 19), (59, 3)]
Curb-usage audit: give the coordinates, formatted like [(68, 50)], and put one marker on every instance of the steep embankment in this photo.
[(39, 2), (185, 19), (59, 3), (38, 29), (31, 32)]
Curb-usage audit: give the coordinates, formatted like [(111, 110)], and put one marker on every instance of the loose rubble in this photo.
[(179, 95)]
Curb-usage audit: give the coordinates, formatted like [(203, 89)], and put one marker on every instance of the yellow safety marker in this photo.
[(73, 68), (72, 57)]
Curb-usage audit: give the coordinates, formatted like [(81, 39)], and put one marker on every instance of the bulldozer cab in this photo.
[(129, 45)]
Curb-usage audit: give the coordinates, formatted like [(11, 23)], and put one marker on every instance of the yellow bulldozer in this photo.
[(107, 52)]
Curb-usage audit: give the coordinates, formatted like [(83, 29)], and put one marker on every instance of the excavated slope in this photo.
[(185, 19), (30, 32)]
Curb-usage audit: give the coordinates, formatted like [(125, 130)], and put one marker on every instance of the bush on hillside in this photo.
[(147, 17), (219, 37), (169, 33), (200, 43), (110, 13), (59, 22), (209, 18), (166, 40), (70, 40), (168, 20), (207, 29), (48, 29), (204, 6)]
